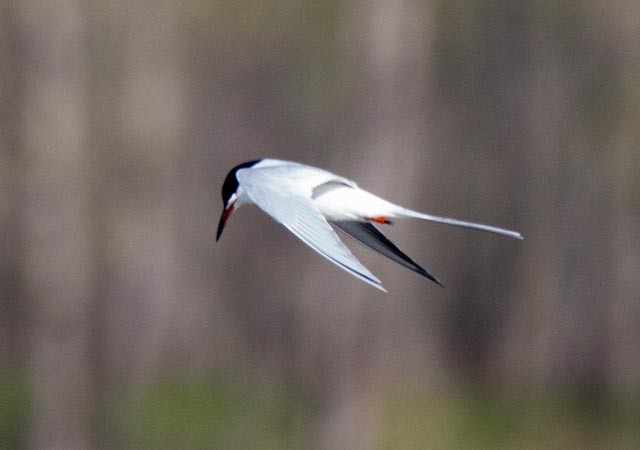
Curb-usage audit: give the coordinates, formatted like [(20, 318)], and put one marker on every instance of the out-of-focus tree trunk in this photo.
[(134, 308), (587, 290), (574, 111), (13, 309), (391, 38), (58, 263), (480, 65), (625, 251)]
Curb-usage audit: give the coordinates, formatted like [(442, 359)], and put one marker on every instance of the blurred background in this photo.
[(124, 325)]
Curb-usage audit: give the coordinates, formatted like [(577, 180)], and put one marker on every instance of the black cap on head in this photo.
[(230, 185)]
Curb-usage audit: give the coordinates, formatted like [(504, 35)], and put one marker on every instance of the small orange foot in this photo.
[(384, 220)]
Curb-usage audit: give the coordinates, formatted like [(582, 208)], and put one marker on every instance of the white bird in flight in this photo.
[(306, 200)]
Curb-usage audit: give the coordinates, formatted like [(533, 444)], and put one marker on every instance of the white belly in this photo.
[(346, 203)]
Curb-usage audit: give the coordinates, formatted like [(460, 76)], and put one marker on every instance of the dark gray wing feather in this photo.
[(367, 234)]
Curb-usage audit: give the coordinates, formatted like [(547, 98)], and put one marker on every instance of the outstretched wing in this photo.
[(289, 203), (367, 234)]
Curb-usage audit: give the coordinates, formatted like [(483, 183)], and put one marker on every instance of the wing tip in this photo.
[(380, 287), (373, 281), (432, 278)]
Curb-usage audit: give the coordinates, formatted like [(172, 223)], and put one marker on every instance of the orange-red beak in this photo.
[(223, 220)]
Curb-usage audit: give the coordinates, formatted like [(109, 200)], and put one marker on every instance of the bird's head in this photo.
[(232, 192)]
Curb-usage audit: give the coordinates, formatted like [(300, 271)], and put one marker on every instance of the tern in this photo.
[(307, 200)]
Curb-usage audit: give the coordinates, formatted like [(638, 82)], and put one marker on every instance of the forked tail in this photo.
[(460, 223)]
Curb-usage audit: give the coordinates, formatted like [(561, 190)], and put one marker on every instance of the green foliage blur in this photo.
[(219, 412), (14, 409)]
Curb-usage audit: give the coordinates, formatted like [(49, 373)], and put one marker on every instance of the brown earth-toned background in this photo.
[(123, 323)]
